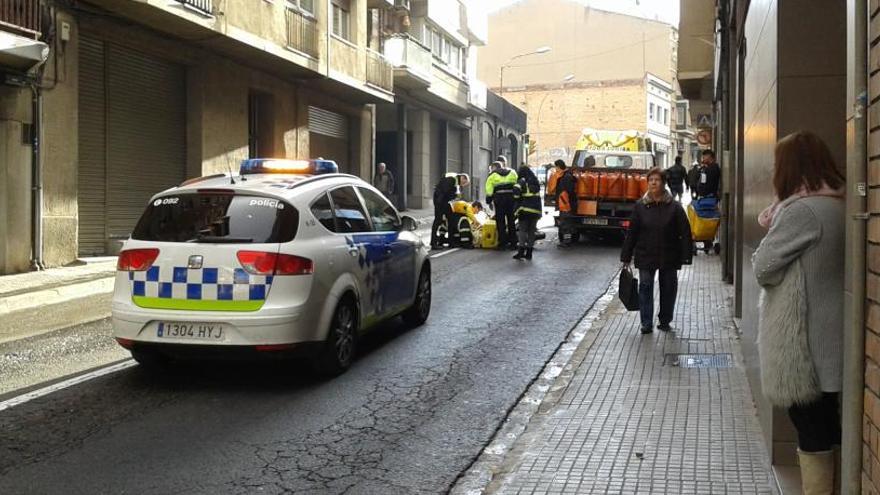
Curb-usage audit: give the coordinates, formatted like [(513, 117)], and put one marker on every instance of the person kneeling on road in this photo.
[(660, 237), (444, 192), (527, 193)]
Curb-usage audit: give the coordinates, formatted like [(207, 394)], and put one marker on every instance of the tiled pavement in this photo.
[(634, 419)]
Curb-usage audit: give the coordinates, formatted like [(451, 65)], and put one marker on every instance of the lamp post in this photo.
[(565, 79), (540, 51)]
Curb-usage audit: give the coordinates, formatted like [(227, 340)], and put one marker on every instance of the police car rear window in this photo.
[(217, 218)]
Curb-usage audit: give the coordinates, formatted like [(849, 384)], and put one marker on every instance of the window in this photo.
[(382, 214), (260, 122), (680, 115), (304, 5), (350, 216), (342, 19), (323, 212), (666, 116), (217, 218), (651, 112)]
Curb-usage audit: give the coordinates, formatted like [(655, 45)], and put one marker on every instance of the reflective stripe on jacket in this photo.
[(500, 182), (527, 201)]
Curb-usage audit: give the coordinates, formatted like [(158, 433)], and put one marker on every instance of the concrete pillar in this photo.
[(402, 156), (421, 178), (15, 181)]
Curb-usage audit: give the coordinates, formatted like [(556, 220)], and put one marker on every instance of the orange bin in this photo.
[(632, 187), (616, 186)]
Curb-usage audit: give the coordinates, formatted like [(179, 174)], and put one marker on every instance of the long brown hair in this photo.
[(802, 159)]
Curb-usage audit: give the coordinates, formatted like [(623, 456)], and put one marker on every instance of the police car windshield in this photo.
[(222, 218)]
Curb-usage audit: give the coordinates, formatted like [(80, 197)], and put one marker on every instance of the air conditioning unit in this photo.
[(401, 4)]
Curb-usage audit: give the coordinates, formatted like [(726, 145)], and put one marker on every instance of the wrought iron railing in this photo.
[(379, 71), (200, 5), (302, 32), (20, 16)]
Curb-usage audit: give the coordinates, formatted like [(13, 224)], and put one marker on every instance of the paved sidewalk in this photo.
[(633, 417)]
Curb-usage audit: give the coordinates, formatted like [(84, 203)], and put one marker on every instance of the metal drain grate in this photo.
[(699, 360)]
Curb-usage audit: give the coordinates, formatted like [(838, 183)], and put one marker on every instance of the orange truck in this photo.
[(608, 185)]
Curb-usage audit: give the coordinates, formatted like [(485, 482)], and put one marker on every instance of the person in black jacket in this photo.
[(527, 194), (675, 176), (660, 237), (566, 201), (709, 182), (445, 191)]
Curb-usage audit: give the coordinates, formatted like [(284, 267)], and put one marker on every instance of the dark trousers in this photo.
[(443, 211), (817, 423), (668, 291), (504, 219), (527, 227)]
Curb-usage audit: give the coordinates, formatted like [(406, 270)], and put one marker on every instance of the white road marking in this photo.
[(444, 253), (42, 392)]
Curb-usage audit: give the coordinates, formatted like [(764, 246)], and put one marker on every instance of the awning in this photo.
[(20, 53)]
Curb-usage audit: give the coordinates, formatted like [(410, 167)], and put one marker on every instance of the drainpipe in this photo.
[(854, 296), (36, 181)]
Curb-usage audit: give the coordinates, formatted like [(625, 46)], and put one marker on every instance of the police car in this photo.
[(287, 257)]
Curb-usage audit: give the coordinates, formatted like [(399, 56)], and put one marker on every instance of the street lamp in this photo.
[(540, 51)]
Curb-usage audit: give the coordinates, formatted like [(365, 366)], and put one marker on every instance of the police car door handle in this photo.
[(353, 250)]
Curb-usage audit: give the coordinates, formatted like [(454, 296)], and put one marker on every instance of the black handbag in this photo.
[(628, 289)]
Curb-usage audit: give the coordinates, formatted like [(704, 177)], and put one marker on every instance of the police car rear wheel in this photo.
[(339, 348), (418, 313)]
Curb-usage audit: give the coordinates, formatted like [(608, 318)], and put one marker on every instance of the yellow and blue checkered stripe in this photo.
[(203, 289)]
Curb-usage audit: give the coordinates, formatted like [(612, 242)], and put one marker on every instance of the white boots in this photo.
[(817, 472)]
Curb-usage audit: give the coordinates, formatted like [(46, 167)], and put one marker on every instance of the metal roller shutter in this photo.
[(327, 123), (146, 121), (132, 138), (91, 173)]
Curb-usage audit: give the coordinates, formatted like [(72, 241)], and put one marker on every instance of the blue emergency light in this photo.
[(281, 166)]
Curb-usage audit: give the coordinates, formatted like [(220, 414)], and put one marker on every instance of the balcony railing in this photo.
[(379, 71), (20, 16), (406, 53), (302, 33), (203, 6)]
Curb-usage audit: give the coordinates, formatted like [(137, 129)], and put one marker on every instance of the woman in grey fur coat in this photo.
[(799, 266)]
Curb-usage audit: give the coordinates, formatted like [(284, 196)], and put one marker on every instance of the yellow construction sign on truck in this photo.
[(602, 140)]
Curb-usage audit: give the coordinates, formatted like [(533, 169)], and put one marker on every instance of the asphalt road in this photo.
[(413, 412)]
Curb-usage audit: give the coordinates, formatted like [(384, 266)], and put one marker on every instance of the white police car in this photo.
[(288, 257)]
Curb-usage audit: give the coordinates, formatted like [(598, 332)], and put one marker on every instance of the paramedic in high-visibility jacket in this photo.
[(566, 201), (527, 194), (499, 193), (444, 192)]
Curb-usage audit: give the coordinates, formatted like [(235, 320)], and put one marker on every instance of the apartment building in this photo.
[(105, 102), (571, 66)]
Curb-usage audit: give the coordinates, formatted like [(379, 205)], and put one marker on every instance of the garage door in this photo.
[(329, 137), (132, 138)]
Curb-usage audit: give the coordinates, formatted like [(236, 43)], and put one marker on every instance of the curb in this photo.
[(35, 313), (544, 391)]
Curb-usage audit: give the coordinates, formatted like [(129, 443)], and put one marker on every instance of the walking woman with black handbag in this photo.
[(659, 237), (799, 266)]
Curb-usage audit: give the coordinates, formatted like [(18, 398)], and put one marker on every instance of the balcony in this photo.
[(302, 33), (380, 73), (411, 61), (21, 17), (202, 6)]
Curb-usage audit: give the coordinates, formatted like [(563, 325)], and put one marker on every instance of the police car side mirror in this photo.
[(409, 223)]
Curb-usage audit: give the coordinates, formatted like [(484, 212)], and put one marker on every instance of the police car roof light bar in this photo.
[(277, 166)]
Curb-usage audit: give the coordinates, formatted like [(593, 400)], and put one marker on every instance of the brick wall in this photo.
[(556, 115), (871, 418)]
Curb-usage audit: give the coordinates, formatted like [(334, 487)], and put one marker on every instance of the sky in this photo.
[(661, 10)]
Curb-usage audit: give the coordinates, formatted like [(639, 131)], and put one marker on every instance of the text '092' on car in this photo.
[(287, 258)]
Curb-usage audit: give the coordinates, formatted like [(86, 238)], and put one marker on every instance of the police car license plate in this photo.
[(197, 331), (596, 221)]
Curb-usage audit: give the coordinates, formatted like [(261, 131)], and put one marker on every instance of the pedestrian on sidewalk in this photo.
[(799, 265), (675, 176), (444, 193), (660, 238), (527, 194), (384, 181)]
